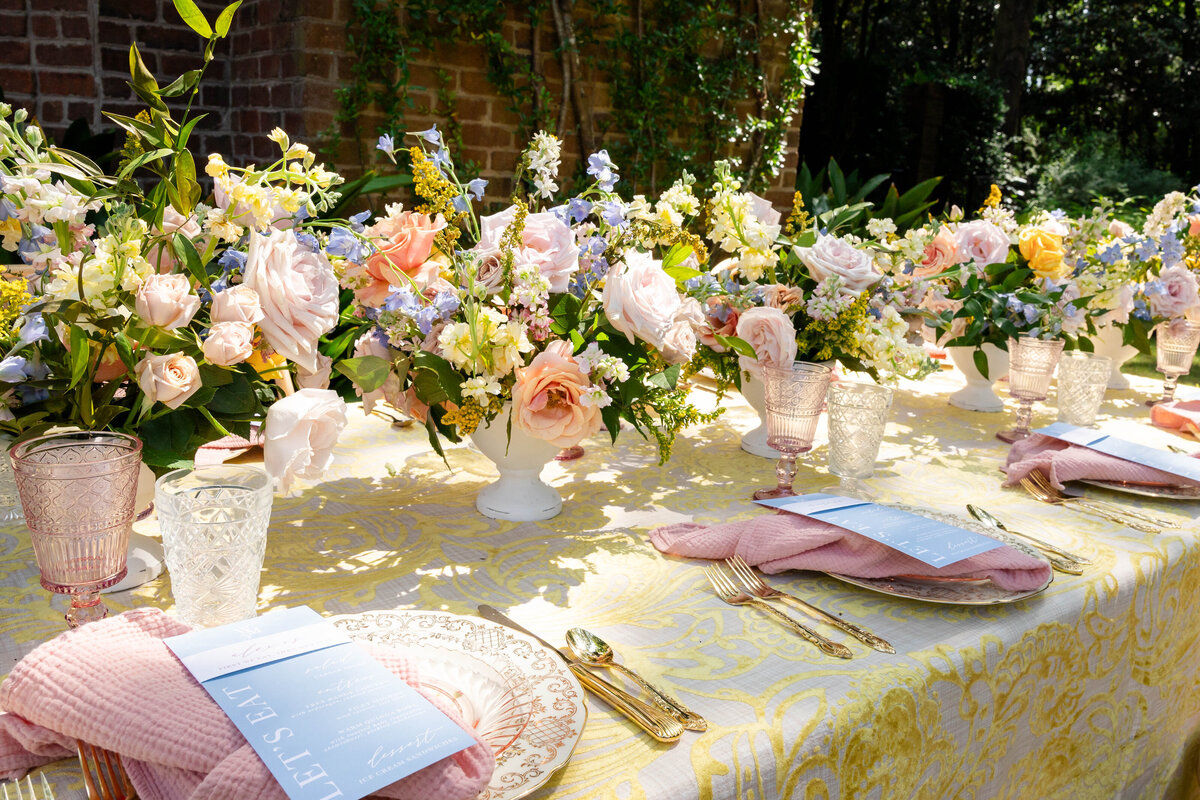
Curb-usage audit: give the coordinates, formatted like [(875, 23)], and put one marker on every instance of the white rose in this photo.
[(832, 256), (300, 433), (640, 299)]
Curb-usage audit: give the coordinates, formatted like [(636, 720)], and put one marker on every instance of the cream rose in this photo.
[(831, 256), (679, 344), (771, 333), (300, 433), (546, 242), (982, 242), (298, 292), (546, 398), (229, 343), (318, 379), (166, 301), (236, 304), (169, 379), (640, 299)]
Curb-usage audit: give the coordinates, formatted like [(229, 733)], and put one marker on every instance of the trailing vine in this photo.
[(689, 82)]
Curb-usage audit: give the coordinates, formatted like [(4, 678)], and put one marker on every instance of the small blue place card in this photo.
[(1174, 463), (329, 721), (935, 543)]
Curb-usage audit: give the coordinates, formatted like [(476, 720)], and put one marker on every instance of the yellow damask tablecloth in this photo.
[(1089, 690)]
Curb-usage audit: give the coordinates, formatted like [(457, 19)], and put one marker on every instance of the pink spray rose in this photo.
[(546, 398), (229, 343), (236, 304), (940, 254), (546, 242), (162, 253), (166, 301), (1120, 229), (982, 242), (405, 241), (763, 209), (640, 299), (771, 333), (169, 379)]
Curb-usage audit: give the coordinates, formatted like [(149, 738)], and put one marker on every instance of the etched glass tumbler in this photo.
[(1176, 342), (858, 414), (213, 521), (1082, 382), (78, 491), (1031, 364), (795, 396)]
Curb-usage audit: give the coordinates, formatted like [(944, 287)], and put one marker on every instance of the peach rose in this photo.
[(1120, 229), (166, 301), (546, 242), (169, 379), (298, 292), (982, 242), (162, 252), (405, 241), (546, 398), (640, 299), (771, 333), (229, 343), (719, 320), (940, 254), (1194, 225), (1044, 252), (300, 432), (236, 304), (777, 295)]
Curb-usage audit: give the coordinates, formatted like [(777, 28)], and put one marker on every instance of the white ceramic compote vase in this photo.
[(519, 495), (978, 394), (1108, 342), (755, 442)]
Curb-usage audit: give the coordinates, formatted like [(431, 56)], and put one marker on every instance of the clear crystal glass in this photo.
[(213, 521), (1031, 363), (10, 498), (1176, 344), (858, 414), (795, 397), (78, 491), (1082, 382)]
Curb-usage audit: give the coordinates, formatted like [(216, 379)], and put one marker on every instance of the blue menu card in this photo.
[(934, 543), (1174, 463), (329, 721)]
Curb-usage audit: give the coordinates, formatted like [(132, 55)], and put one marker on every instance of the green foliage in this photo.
[(842, 205)]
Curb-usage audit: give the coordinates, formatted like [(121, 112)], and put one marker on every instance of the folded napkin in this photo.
[(221, 450), (1061, 462), (115, 684), (784, 541), (1181, 415)]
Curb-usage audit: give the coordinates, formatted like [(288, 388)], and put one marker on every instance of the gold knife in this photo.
[(659, 724)]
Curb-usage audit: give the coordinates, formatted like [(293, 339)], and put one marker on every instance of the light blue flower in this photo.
[(446, 304), (599, 268), (1111, 254), (425, 319), (356, 221), (7, 209), (476, 187), (601, 167), (1172, 250), (440, 158), (34, 330), (345, 244), (1058, 213), (462, 204), (232, 260), (386, 144), (579, 209), (309, 241), (402, 301), (13, 369), (1146, 249), (433, 135), (612, 212)]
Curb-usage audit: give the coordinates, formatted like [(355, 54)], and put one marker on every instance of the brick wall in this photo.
[(280, 66)]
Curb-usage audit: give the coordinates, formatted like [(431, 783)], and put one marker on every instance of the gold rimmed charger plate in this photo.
[(1161, 491)]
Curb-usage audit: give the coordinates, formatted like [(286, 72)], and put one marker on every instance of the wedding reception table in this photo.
[(1088, 690)]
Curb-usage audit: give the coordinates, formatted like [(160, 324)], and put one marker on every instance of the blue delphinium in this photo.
[(446, 304), (425, 319), (601, 167), (402, 301), (33, 330), (13, 369), (1146, 249), (1172, 249), (386, 145), (431, 135), (356, 221), (476, 187), (1111, 254), (612, 212), (578, 209), (345, 244)]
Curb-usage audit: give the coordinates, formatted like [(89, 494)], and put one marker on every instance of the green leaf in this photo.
[(164, 459), (433, 377), (367, 372), (981, 362), (237, 398), (186, 252), (739, 346), (142, 77), (225, 19), (675, 256), (144, 158), (917, 194), (181, 85), (212, 375), (186, 131), (137, 128), (171, 432), (193, 17), (185, 182), (837, 182), (80, 354)]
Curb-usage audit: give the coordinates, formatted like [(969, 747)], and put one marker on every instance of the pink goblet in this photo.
[(78, 491), (795, 398)]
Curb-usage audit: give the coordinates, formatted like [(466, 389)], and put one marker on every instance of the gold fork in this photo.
[(1041, 494), (47, 792), (103, 774), (730, 594), (756, 586), (1044, 482)]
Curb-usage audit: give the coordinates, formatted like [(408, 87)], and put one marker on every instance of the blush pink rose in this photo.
[(318, 379), (546, 398), (763, 209), (236, 304), (1179, 293), (229, 343), (166, 301), (830, 256), (940, 254), (546, 242), (298, 293), (405, 241), (1120, 229), (771, 333), (162, 253), (300, 432), (169, 379), (640, 299), (679, 343), (982, 242), (719, 320)]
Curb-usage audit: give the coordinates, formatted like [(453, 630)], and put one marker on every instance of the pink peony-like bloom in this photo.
[(831, 256), (982, 242), (719, 320), (771, 333), (405, 242), (162, 253), (166, 301), (1178, 293), (640, 299), (546, 398), (229, 343), (546, 242), (236, 304), (298, 292), (169, 379), (940, 254), (300, 432)]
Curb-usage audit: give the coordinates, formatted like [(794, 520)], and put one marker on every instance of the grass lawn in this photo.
[(1144, 365)]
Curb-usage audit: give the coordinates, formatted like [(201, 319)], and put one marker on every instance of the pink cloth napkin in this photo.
[(1181, 415), (785, 541), (1062, 462), (221, 450), (114, 684)]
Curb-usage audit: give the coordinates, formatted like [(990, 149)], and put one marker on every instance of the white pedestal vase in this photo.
[(519, 495), (978, 394), (146, 559), (755, 442), (1107, 342)]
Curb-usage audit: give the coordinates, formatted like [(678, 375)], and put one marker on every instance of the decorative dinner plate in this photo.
[(1162, 491), (952, 590), (518, 695)]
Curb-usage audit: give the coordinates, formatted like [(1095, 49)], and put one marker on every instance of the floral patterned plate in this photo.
[(519, 695)]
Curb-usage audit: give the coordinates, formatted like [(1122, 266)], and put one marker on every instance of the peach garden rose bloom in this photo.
[(1120, 229), (940, 254), (771, 333), (169, 379), (166, 301), (546, 398), (1044, 252), (405, 241)]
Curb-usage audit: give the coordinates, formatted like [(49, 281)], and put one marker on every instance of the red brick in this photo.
[(12, 5), (16, 81), (75, 6), (15, 25), (56, 55), (66, 84), (15, 52), (51, 112), (80, 109), (130, 9), (75, 27), (116, 60)]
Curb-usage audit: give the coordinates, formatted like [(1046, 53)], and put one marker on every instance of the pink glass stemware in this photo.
[(78, 491), (795, 396), (1176, 344), (1031, 363)]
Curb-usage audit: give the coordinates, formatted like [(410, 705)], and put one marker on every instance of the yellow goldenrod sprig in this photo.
[(798, 220)]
